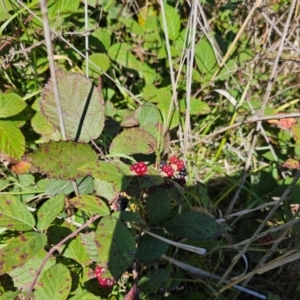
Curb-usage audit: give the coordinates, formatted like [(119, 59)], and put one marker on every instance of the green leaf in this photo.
[(151, 248), (115, 245), (78, 252), (49, 211), (55, 186), (152, 178), (106, 171), (12, 141), (22, 276), (148, 114), (82, 106), (101, 39), (105, 189), (132, 26), (55, 283), (61, 159), (120, 52), (63, 6), (128, 216), (229, 69), (205, 57), (20, 250), (154, 280), (9, 295), (40, 124), (296, 132), (148, 73), (84, 296), (162, 53), (164, 106), (102, 62), (158, 207), (10, 105), (197, 107), (90, 204), (133, 140), (172, 20), (194, 225), (14, 214), (88, 241)]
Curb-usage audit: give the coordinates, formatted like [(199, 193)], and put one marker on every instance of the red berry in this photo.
[(168, 170), (170, 173), (139, 168), (180, 165), (141, 164), (106, 282), (173, 159), (99, 271)]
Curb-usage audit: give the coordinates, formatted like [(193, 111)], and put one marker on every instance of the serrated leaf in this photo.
[(115, 245), (172, 20), (55, 283), (197, 107), (14, 214), (81, 103), (20, 250), (61, 159), (49, 211), (154, 280), (106, 171), (158, 207), (148, 114), (22, 276), (151, 248), (10, 105), (90, 204), (78, 252), (40, 124), (205, 57), (99, 59), (132, 141), (105, 189), (120, 52), (12, 141), (85, 296), (194, 225), (56, 186), (88, 240)]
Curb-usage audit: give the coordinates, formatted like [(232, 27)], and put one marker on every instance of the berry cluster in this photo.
[(140, 168), (168, 170), (174, 168), (104, 282)]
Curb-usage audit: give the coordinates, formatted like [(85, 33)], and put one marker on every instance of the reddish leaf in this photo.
[(291, 164)]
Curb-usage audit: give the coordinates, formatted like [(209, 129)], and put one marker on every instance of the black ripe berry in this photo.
[(122, 203), (183, 172)]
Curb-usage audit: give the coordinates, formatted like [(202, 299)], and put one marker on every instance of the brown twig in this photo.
[(73, 234)]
